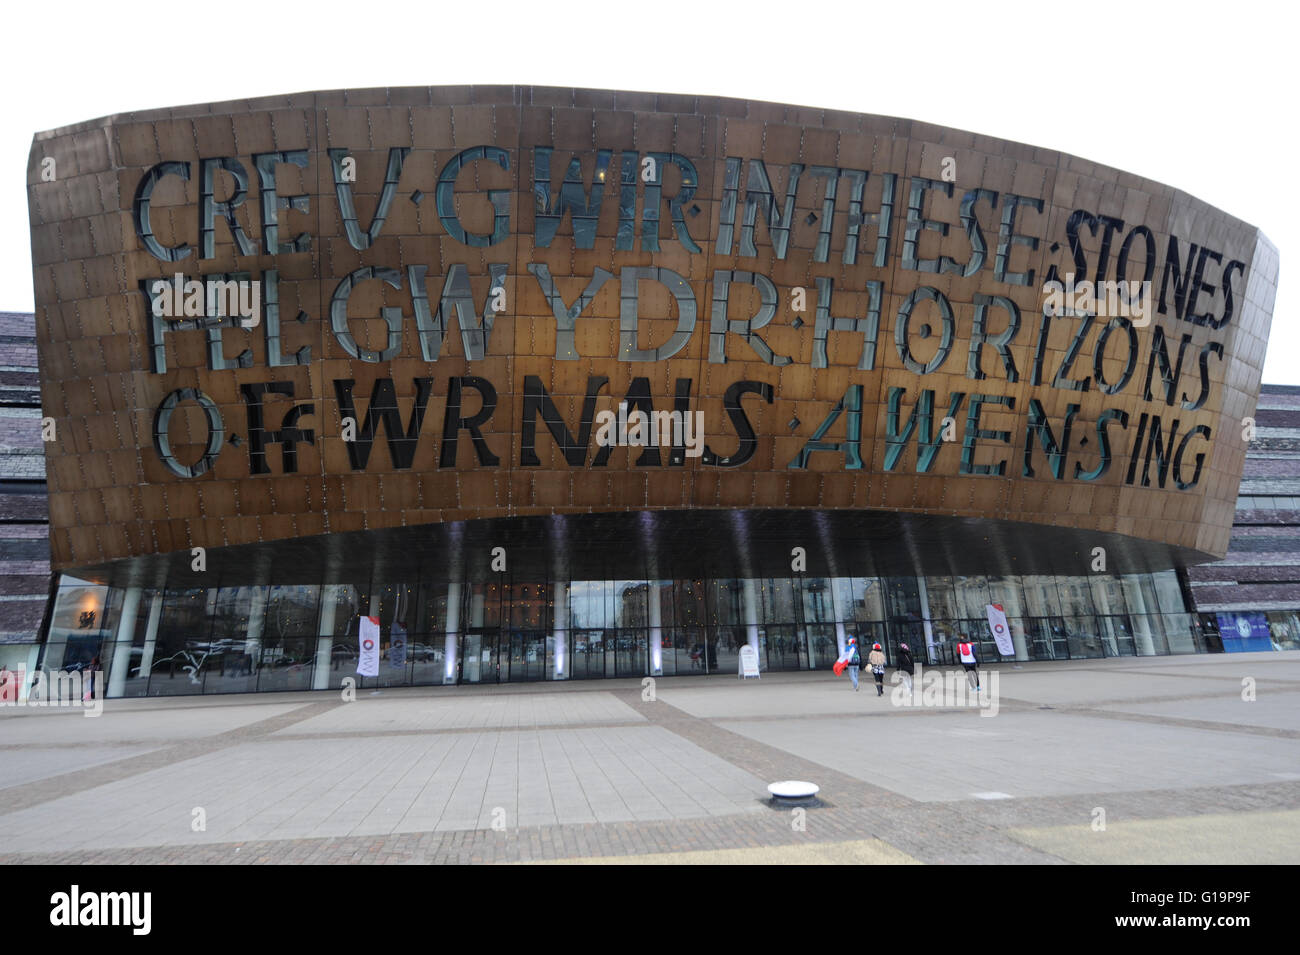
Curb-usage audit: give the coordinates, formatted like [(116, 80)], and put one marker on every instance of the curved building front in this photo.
[(551, 383)]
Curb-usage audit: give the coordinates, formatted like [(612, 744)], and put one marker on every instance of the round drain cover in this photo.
[(793, 789)]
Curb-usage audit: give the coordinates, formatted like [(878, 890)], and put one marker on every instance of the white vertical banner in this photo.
[(368, 661), (1001, 633)]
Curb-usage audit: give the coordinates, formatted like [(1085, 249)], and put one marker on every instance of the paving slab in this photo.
[(22, 726), (957, 755), (414, 714), (341, 787), (36, 764), (1278, 710)]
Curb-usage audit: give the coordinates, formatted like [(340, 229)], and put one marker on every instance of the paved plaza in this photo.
[(1162, 760)]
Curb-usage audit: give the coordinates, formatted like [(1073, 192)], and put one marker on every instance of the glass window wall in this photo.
[(280, 637)]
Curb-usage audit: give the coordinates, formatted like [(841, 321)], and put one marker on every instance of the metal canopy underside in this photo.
[(659, 545)]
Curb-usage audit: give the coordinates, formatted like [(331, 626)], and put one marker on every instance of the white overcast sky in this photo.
[(1202, 96)]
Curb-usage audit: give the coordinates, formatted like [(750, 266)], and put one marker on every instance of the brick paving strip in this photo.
[(1152, 671), (936, 833), (1217, 726), (765, 762), (1129, 701)]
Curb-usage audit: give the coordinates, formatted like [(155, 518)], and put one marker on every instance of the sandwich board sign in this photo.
[(748, 663)]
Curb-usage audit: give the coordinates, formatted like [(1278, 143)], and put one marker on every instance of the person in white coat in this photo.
[(876, 660)]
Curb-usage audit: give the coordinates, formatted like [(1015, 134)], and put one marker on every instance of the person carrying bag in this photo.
[(876, 660)]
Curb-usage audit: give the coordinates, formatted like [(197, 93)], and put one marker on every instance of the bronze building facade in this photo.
[(557, 383)]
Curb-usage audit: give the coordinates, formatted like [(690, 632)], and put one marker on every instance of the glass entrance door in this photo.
[(479, 657), (525, 656), (823, 651), (629, 657), (784, 647), (587, 649)]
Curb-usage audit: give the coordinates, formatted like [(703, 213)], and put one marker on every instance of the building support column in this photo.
[(1101, 600), (329, 602), (1146, 646), (151, 634), (472, 665), (560, 630), (925, 620), (450, 645), (655, 618), (122, 643), (749, 590), (839, 586), (256, 626)]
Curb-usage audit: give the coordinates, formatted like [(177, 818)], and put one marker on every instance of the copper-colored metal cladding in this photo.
[(112, 496)]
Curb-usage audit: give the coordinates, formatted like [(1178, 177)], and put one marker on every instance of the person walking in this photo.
[(876, 660), (969, 660), (853, 659), (92, 668), (906, 666)]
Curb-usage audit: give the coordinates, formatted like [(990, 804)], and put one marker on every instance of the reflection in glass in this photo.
[(304, 636)]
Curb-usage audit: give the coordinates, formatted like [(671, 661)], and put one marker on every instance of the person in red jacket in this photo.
[(969, 660)]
